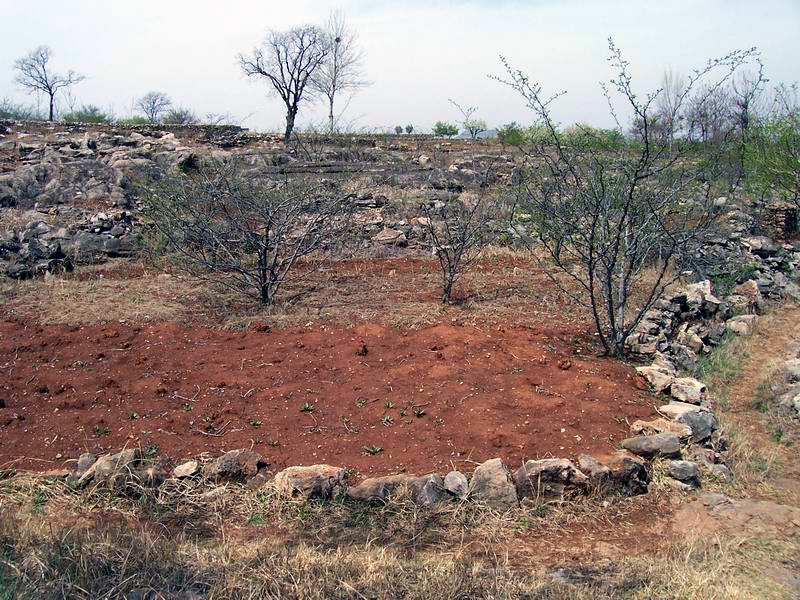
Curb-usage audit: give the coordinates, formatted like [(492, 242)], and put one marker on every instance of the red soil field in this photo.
[(430, 399)]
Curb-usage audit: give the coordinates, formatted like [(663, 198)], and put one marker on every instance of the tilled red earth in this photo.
[(373, 398)]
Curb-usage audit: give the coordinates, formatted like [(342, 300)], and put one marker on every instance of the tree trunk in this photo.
[(52, 106), (291, 113), (330, 116)]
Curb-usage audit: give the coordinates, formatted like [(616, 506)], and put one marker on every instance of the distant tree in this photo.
[(180, 116), (342, 68), (288, 60), (668, 99), (772, 159), (512, 134), (409, 128), (153, 104), (445, 129), (33, 75), (473, 126), (398, 130)]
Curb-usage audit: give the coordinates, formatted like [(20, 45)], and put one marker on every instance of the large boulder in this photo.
[(315, 481), (493, 485), (548, 478), (657, 379)]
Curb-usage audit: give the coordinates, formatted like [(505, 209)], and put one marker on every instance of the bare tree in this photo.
[(461, 229), (32, 74), (153, 104), (473, 126), (288, 60), (668, 99), (608, 216), (342, 69), (231, 224)]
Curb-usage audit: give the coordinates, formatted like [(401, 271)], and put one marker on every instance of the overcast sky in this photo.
[(417, 53)]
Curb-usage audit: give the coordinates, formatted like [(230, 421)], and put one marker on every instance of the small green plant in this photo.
[(255, 520), (361, 402), (39, 500), (372, 450), (307, 407), (133, 415), (388, 420), (151, 452), (389, 404), (419, 412), (101, 430), (187, 407), (255, 423)]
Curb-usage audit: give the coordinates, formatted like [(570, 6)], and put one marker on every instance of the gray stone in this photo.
[(85, 462), (493, 485), (428, 490), (425, 490), (791, 370), (115, 469), (599, 475), (684, 470), (741, 325), (702, 423), (391, 237), (721, 472), (661, 425), (315, 481), (629, 473), (456, 483), (547, 478), (675, 409), (236, 465), (657, 379), (649, 446), (186, 469), (689, 390)]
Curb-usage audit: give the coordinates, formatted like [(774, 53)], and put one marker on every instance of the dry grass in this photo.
[(173, 542)]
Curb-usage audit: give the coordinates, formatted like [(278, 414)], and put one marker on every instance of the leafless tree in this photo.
[(668, 99), (33, 75), (288, 60), (232, 224), (342, 69), (473, 126), (461, 229), (604, 215), (153, 104)]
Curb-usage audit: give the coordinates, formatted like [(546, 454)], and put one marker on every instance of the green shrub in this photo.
[(18, 112), (443, 128), (88, 113), (512, 134), (180, 116)]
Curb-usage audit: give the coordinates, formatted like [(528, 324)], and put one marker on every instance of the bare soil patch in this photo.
[(441, 396)]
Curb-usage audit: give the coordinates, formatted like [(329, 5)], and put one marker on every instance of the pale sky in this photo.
[(417, 53)]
